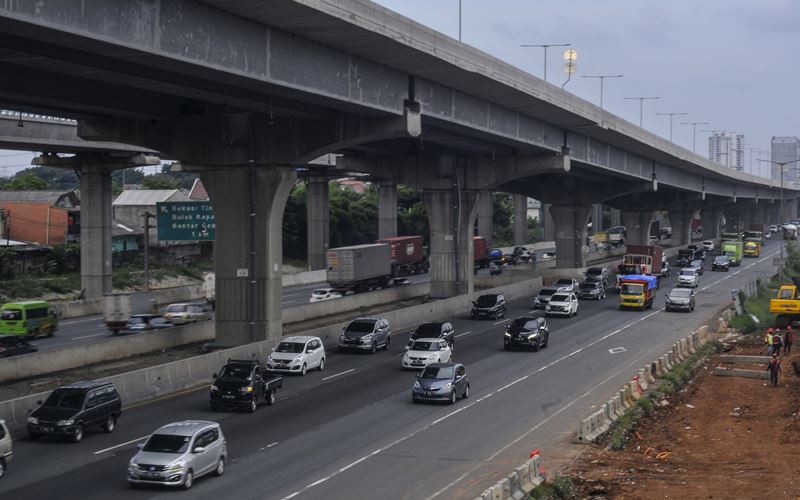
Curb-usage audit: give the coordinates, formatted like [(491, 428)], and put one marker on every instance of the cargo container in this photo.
[(359, 268), (407, 255), (643, 259), (119, 307), (480, 252)]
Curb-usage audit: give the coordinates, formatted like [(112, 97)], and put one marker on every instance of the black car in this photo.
[(441, 382), (241, 384), (680, 299), (489, 306), (527, 332), (13, 345), (721, 262), (147, 322), (71, 409), (591, 290), (435, 331), (685, 256)]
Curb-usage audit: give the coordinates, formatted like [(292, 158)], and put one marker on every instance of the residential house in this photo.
[(130, 206), (42, 217)]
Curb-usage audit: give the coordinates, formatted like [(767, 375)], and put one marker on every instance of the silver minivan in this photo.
[(6, 451), (178, 453)]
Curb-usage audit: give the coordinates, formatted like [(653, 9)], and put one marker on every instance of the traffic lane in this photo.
[(299, 295), (562, 391)]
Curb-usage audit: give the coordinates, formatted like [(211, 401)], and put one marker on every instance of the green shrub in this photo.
[(559, 488)]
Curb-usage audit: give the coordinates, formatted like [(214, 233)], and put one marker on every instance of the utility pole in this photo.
[(147, 228), (641, 105), (546, 46)]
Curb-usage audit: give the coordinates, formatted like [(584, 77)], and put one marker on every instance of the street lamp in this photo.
[(781, 164), (459, 20), (671, 115), (641, 105), (545, 46), (694, 132), (601, 77), (570, 56)]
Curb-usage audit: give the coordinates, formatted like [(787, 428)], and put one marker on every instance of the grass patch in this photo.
[(560, 488)]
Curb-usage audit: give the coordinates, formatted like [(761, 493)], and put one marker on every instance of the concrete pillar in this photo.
[(95, 231), (597, 217), (570, 223), (387, 209), (710, 224), (248, 208), (681, 222), (637, 226), (520, 219), (450, 218), (485, 213), (789, 209), (318, 221), (616, 217), (548, 226)]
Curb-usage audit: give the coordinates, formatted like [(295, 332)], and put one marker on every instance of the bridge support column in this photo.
[(520, 219), (637, 226), (616, 217), (597, 217), (570, 234), (95, 231), (789, 209), (548, 226), (710, 222), (485, 214), (681, 222), (451, 215), (318, 225), (248, 207), (387, 209)]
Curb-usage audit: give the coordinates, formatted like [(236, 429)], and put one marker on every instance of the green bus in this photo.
[(29, 319)]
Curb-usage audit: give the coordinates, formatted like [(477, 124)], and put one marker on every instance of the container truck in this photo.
[(643, 259), (120, 307), (637, 291), (209, 288), (752, 248), (734, 251), (480, 252), (407, 255), (756, 233), (616, 235), (359, 268), (789, 232)]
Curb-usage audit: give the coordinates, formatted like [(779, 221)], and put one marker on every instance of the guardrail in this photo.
[(8, 113)]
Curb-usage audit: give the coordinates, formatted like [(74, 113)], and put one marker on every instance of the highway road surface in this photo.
[(352, 431)]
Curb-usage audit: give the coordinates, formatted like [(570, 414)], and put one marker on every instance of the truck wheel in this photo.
[(374, 348), (271, 398), (253, 406)]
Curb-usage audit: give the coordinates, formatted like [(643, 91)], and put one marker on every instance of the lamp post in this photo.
[(781, 165), (570, 56), (546, 46), (641, 105), (694, 132), (459, 20), (671, 115), (602, 78)]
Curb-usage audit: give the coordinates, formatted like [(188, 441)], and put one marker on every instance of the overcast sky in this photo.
[(732, 63)]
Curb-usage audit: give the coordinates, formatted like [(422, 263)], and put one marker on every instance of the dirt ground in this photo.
[(719, 437)]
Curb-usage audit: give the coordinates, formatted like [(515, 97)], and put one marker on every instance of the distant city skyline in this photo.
[(785, 150), (727, 149)]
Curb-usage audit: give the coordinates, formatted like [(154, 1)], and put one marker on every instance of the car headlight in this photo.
[(416, 385), (447, 386), (175, 467), (214, 388), (508, 334), (33, 420), (297, 359), (431, 356), (533, 335), (246, 390), (366, 338), (64, 423)]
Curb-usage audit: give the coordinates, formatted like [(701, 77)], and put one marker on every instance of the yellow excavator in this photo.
[(787, 304)]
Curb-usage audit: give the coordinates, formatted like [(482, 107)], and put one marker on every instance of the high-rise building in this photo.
[(785, 150), (727, 149)]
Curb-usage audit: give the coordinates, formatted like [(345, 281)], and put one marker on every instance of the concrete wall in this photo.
[(163, 296), (305, 278), (36, 222), (148, 383)]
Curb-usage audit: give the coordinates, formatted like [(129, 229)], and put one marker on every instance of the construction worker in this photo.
[(768, 340), (777, 342), (774, 368), (788, 339)]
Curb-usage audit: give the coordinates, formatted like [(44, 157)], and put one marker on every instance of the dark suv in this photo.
[(71, 409), (366, 334), (12, 345), (527, 332), (435, 331), (242, 384), (490, 306)]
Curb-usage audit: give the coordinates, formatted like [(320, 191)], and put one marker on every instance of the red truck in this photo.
[(480, 252), (407, 255), (643, 259)]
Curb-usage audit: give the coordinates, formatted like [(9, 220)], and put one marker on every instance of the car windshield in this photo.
[(546, 292), (428, 330), (158, 321), (320, 292), (687, 272), (234, 371), (559, 298), (525, 324), (564, 282), (424, 346), (442, 372), (486, 300), (697, 263), (361, 326), (594, 270), (294, 347), (167, 443), (135, 321), (66, 399), (588, 286), (11, 314), (681, 293), (176, 308), (721, 258), (631, 289)]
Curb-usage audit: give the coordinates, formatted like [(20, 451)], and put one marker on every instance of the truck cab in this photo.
[(637, 291), (752, 248), (243, 384)]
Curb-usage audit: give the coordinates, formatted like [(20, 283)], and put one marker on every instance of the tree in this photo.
[(57, 179), (27, 182), (294, 224), (132, 176), (160, 181), (412, 219), (502, 209)]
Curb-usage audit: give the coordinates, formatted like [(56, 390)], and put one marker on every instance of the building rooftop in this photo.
[(64, 199), (148, 197)]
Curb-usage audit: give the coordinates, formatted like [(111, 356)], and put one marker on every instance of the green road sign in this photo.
[(185, 220)]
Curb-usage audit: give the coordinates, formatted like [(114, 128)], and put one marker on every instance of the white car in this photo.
[(562, 304), (767, 235), (773, 228), (297, 355), (568, 284), (422, 352), (708, 245), (324, 294), (689, 276)]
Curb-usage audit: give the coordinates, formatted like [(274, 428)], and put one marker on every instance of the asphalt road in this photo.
[(352, 431)]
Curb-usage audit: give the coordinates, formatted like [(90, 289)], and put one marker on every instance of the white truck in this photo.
[(209, 290), (120, 307), (359, 268)]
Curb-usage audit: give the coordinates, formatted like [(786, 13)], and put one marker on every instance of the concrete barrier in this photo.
[(304, 278), (738, 372), (519, 483), (162, 296), (743, 359)]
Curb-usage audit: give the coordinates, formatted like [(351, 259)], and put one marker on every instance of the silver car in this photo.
[(6, 451), (178, 453)]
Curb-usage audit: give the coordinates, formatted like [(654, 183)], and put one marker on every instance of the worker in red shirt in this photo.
[(788, 339), (774, 368)]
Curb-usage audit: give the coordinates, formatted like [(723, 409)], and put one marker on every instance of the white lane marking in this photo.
[(89, 336), (338, 374), (268, 446), (100, 320), (292, 294), (462, 334), (617, 350), (121, 445), (504, 321)]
